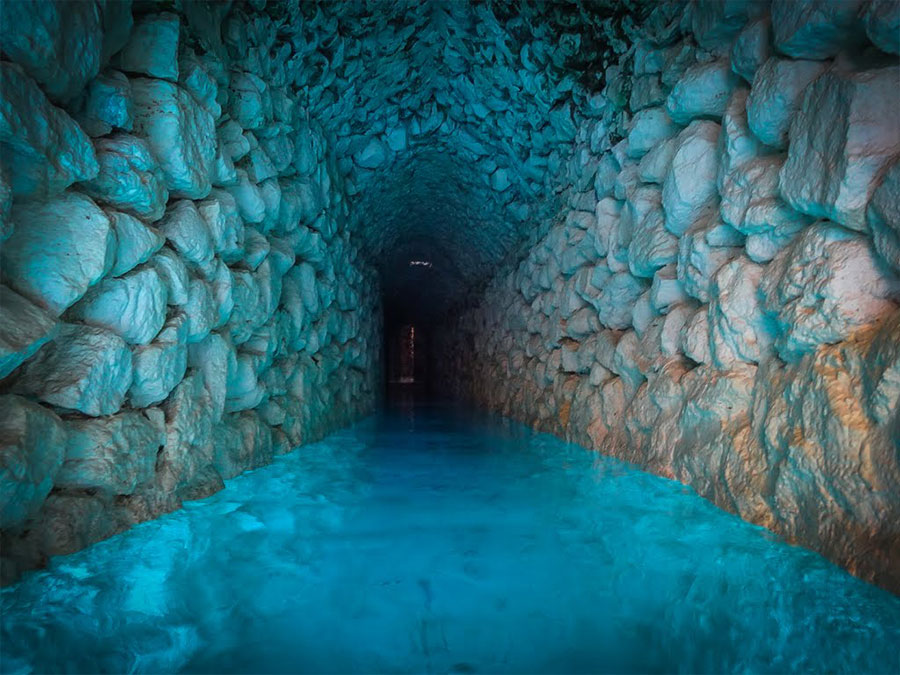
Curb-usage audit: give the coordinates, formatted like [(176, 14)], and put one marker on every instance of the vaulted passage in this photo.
[(665, 231)]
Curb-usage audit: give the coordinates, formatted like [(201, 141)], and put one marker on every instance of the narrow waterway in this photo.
[(432, 539)]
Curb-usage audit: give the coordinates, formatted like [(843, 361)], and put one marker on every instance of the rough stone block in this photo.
[(180, 133), (24, 328), (825, 286), (649, 128), (188, 232), (43, 150), (135, 242), (816, 29), (86, 369), (132, 306), (173, 273), (617, 299), (883, 217), (689, 190), (776, 96), (112, 454), (58, 249), (843, 137), (58, 43), (881, 19), (739, 331), (152, 48), (703, 91), (129, 179), (32, 447), (107, 105), (751, 48), (160, 366)]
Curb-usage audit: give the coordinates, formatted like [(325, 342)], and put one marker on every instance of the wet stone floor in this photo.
[(434, 539)]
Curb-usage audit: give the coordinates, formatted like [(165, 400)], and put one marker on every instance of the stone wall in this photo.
[(718, 300), (180, 297)]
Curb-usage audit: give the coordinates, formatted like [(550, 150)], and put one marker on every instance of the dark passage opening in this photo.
[(407, 353)]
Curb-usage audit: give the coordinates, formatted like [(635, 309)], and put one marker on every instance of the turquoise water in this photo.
[(429, 539)]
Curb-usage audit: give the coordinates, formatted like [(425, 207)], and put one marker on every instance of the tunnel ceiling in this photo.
[(451, 122)]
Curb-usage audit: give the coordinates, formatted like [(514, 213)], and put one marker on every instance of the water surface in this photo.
[(431, 539)]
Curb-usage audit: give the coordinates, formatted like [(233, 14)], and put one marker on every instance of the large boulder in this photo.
[(883, 217), (86, 369), (185, 464), (130, 179), (179, 132), (834, 466), (694, 342), (174, 275), (106, 105), (135, 242), (70, 521), (689, 190), (188, 232), (652, 246), (201, 310), (655, 164), (245, 444), (832, 168), (132, 306), (739, 330), (666, 290), (43, 150), (249, 199), (250, 102), (882, 22), (57, 250), (703, 91), (199, 76), (160, 366), (731, 469), (112, 454), (699, 260), (24, 328), (244, 390), (32, 447), (216, 358), (775, 97), (737, 144), (815, 29), (220, 211), (371, 154), (751, 48), (824, 287), (649, 128), (752, 205), (715, 24), (617, 299), (58, 43), (221, 282), (152, 48)]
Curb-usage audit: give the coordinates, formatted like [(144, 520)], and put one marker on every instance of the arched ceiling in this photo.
[(450, 121)]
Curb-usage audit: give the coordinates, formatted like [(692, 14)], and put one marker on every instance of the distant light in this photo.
[(420, 263)]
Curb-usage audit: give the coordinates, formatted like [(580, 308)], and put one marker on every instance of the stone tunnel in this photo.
[(665, 231)]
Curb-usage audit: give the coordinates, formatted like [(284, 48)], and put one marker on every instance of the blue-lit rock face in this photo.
[(181, 299), (722, 306), (668, 231)]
